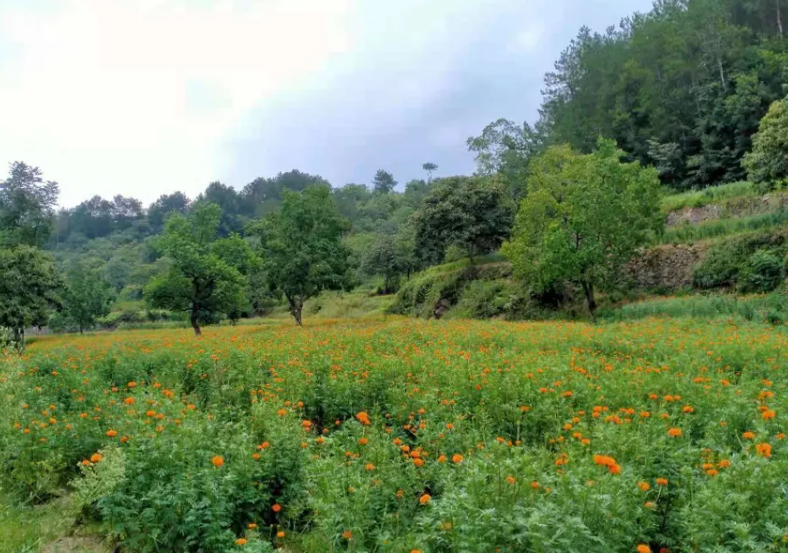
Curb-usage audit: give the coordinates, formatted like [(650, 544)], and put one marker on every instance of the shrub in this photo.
[(763, 272)]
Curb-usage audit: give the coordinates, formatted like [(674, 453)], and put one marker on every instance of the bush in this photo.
[(763, 272), (728, 262)]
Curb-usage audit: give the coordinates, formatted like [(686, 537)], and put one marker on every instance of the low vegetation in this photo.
[(407, 435)]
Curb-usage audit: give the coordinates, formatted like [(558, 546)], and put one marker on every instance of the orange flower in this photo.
[(217, 461), (281, 412), (457, 458), (441, 458), (363, 418), (644, 486), (768, 414), (251, 526), (240, 541), (129, 401), (764, 450), (347, 534), (662, 481), (111, 433), (674, 432), (748, 435), (363, 441), (276, 507), (280, 534), (425, 498), (96, 457), (511, 480), (643, 548), (369, 466)]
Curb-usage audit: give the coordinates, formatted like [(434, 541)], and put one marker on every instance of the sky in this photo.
[(146, 97)]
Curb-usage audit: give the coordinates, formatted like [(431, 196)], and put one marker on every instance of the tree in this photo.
[(27, 206), (473, 213), (384, 182), (29, 288), (86, 298), (583, 218), (383, 258), (430, 168), (301, 247), (768, 161), (158, 211), (199, 281)]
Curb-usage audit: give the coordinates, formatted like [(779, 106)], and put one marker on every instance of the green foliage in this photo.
[(763, 272), (682, 87), (348, 428), (710, 195), (723, 227), (763, 308), (472, 213), (199, 281), (735, 260), (27, 204), (767, 163), (29, 288), (86, 298), (384, 182), (301, 247), (583, 218)]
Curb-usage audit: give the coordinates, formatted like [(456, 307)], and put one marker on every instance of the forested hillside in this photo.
[(687, 96)]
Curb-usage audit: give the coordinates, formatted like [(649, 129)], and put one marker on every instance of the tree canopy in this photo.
[(199, 280), (583, 218), (472, 213), (301, 247)]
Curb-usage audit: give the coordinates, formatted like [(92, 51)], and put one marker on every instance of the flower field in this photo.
[(408, 436)]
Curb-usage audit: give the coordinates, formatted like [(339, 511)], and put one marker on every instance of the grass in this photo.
[(710, 195), (404, 435), (723, 227), (771, 308), (42, 529)]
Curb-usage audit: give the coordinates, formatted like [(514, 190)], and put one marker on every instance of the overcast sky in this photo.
[(143, 97)]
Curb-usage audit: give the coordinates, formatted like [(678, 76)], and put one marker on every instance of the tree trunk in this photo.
[(195, 322), (296, 305), (588, 290), (779, 17)]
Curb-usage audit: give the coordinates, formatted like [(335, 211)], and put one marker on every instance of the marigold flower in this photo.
[(96, 457), (457, 458), (217, 461), (276, 507), (111, 433), (240, 541), (768, 414), (662, 481), (363, 441), (251, 526), (280, 534), (369, 466), (644, 486), (748, 435), (347, 534), (643, 548), (511, 480), (425, 498), (764, 449), (674, 432)]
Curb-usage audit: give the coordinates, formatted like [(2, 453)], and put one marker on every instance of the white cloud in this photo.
[(137, 97)]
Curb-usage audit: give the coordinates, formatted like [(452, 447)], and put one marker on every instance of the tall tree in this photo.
[(27, 206), (177, 202), (583, 218), (767, 164), (430, 168), (301, 247), (384, 182), (199, 281)]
